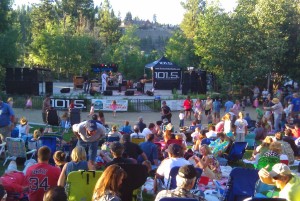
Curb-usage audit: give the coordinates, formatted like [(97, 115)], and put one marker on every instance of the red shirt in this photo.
[(296, 132), (39, 178), (187, 104)]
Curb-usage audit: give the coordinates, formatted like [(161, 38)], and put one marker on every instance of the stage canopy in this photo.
[(165, 74)]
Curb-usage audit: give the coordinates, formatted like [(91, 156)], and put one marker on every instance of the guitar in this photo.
[(143, 81)]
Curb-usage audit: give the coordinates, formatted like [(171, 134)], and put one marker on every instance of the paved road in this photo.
[(36, 116)]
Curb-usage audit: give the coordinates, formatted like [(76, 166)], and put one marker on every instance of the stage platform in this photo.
[(163, 94)]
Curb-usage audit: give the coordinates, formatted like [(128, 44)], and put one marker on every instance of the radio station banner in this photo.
[(176, 105), (105, 105), (63, 104)]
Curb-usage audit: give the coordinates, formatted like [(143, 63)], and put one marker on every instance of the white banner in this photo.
[(176, 105), (105, 105)]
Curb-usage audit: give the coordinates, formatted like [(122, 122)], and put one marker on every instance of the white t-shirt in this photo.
[(135, 135), (212, 134), (240, 124), (146, 132), (181, 116), (195, 135), (104, 77), (166, 165)]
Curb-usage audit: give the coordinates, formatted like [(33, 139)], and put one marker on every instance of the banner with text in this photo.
[(105, 105), (63, 104)]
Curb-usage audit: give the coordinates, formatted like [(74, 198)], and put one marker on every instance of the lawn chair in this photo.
[(266, 199), (236, 152), (137, 140), (16, 148), (174, 141), (206, 141), (52, 141), (112, 139), (241, 184)]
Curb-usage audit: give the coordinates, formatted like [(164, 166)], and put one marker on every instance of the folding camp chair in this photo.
[(174, 141), (112, 139), (16, 148), (52, 141), (241, 184), (177, 199), (206, 141), (236, 152), (137, 140), (265, 199)]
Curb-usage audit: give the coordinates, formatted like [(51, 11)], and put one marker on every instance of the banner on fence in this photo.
[(176, 105), (103, 104), (63, 104)]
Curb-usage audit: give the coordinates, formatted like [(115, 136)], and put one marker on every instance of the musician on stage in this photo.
[(104, 78), (120, 81), (143, 81)]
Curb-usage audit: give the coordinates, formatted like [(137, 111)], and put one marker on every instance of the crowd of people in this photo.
[(159, 147)]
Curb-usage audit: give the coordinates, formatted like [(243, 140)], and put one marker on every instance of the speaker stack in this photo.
[(108, 93), (194, 82), (129, 93)]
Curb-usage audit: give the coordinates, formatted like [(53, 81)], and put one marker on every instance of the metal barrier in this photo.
[(143, 105)]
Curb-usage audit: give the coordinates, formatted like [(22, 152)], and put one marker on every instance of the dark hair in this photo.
[(150, 137), (151, 125), (44, 153), (288, 132), (55, 193), (101, 114), (60, 157), (95, 117), (126, 123)]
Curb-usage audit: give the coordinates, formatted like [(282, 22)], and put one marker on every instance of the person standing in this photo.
[(187, 105), (86, 83), (241, 128), (46, 106), (120, 81), (228, 105), (166, 112), (7, 118), (113, 107), (208, 106), (103, 81), (295, 105), (41, 176), (256, 92), (277, 111), (143, 81), (216, 110), (89, 133)]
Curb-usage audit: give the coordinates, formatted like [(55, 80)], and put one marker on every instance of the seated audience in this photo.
[(78, 162), (286, 148), (260, 132), (149, 130), (55, 193), (136, 132), (175, 158), (150, 149), (211, 132), (220, 145), (195, 134), (209, 164), (295, 129), (114, 132), (117, 150), (262, 148), (288, 137), (132, 150), (185, 181), (141, 124), (126, 128), (199, 141), (59, 158), (108, 185), (274, 150), (282, 177)]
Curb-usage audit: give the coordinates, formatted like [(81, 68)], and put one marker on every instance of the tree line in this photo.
[(258, 41)]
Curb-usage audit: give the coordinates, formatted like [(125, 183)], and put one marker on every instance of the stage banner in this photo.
[(105, 105), (167, 78), (176, 105), (63, 104)]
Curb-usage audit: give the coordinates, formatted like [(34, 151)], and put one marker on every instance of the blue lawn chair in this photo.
[(241, 184), (236, 152), (177, 199)]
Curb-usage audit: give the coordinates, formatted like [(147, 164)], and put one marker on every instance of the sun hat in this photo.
[(91, 125), (275, 100), (23, 121), (187, 172), (280, 169), (169, 126)]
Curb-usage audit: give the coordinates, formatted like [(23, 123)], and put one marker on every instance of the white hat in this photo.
[(280, 169)]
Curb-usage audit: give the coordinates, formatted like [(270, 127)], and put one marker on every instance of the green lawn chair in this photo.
[(264, 161)]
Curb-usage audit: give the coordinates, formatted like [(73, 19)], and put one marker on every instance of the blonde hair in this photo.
[(36, 134), (78, 154), (276, 147), (208, 150), (10, 99), (226, 117), (114, 128)]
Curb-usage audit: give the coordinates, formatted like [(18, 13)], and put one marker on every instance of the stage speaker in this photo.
[(129, 93), (49, 87), (30, 74), (108, 93), (9, 74), (149, 93), (124, 83), (65, 90), (186, 83)]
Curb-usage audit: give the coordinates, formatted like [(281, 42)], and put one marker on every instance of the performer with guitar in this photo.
[(143, 81)]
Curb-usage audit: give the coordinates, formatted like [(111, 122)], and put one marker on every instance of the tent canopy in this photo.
[(165, 74), (163, 62)]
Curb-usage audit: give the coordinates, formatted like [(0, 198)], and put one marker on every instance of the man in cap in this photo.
[(89, 133), (7, 117), (282, 177), (185, 181), (277, 111), (175, 153)]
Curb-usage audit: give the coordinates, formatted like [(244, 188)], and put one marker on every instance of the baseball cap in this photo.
[(187, 172), (91, 125), (280, 169), (175, 149)]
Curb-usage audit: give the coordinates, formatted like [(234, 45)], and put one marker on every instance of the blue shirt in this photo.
[(228, 106), (5, 113), (296, 104), (150, 149), (216, 106), (73, 166), (127, 129)]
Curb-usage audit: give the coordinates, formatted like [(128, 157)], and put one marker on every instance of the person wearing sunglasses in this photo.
[(282, 177)]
